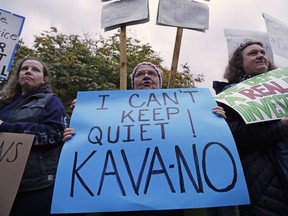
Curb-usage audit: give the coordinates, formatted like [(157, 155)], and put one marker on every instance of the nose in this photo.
[(260, 55), (146, 76), (28, 70)]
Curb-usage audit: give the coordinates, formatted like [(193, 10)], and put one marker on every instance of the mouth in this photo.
[(26, 78), (261, 62), (146, 83)]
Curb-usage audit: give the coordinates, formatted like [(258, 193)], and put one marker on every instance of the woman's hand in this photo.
[(73, 104), (284, 122), (68, 133), (219, 111)]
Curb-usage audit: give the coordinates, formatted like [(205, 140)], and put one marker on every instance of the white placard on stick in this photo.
[(10, 30), (118, 13), (183, 13), (278, 35), (235, 38)]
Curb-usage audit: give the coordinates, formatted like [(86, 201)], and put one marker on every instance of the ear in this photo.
[(46, 79)]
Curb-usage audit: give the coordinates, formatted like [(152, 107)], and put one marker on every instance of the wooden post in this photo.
[(123, 59), (175, 58)]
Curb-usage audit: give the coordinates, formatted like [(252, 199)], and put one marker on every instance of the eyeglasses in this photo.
[(141, 74)]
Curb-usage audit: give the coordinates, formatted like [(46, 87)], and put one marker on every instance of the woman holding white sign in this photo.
[(262, 146)]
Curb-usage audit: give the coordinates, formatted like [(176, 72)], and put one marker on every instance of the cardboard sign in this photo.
[(148, 150), (278, 35), (10, 30), (260, 98), (124, 12), (235, 38), (14, 151), (183, 13)]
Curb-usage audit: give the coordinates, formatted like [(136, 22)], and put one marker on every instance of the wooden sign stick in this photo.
[(175, 58), (123, 59)]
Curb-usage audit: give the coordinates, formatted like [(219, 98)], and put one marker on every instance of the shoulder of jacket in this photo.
[(46, 98), (42, 97)]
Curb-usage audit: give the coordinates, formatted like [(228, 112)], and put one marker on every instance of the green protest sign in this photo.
[(260, 98)]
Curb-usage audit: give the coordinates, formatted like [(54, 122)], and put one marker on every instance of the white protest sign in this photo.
[(278, 35), (124, 12), (260, 98), (183, 13), (14, 151), (10, 30), (235, 38)]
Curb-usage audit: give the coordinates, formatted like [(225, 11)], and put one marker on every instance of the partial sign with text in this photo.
[(10, 29), (260, 98)]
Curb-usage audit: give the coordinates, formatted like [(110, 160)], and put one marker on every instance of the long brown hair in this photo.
[(13, 87), (234, 71)]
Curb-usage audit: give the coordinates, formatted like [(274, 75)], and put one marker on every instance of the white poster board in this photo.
[(183, 13), (10, 30), (235, 38), (124, 12), (278, 35)]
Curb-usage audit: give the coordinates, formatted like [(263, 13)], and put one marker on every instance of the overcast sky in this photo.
[(204, 52)]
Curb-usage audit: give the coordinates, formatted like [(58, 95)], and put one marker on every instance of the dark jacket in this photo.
[(258, 145), (40, 113)]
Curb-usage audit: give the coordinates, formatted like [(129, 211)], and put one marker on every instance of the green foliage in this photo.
[(93, 62), (184, 79)]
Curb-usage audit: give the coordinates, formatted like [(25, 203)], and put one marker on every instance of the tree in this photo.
[(92, 62)]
